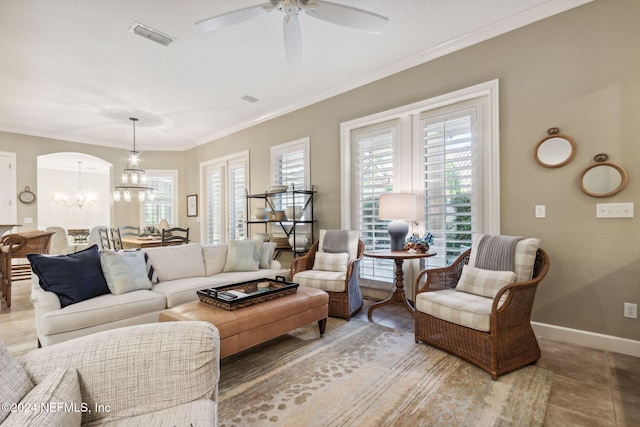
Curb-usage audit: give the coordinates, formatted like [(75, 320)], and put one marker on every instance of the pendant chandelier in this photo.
[(134, 178), (81, 198)]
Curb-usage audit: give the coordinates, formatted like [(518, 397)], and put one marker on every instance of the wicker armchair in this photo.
[(342, 304), (13, 257), (510, 342)]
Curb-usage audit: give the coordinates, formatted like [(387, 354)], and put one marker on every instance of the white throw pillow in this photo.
[(266, 254), (482, 282), (124, 271), (177, 262), (524, 257), (331, 261), (61, 390), (215, 257), (242, 256), (14, 381)]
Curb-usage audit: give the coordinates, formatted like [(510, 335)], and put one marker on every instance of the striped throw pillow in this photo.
[(326, 261), (482, 282), (153, 277)]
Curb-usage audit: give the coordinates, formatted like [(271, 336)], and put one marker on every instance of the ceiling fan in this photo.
[(331, 12)]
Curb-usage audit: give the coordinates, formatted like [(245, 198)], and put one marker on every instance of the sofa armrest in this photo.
[(43, 301), (137, 369)]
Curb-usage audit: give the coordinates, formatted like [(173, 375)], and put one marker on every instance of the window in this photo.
[(225, 181), (443, 149), (165, 203), (290, 166)]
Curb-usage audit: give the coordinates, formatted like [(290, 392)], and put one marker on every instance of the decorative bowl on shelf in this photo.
[(262, 236), (293, 214), (277, 189), (277, 216)]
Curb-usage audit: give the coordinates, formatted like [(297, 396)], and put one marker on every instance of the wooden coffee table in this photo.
[(245, 327)]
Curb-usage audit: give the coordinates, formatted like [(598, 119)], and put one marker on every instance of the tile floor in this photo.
[(590, 387)]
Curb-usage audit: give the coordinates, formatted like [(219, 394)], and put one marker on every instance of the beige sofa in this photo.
[(181, 270), (163, 374)]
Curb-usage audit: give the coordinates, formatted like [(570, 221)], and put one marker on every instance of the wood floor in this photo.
[(590, 387)]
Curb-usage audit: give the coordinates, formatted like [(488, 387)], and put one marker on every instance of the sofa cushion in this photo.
[(180, 291), (177, 262), (124, 271), (100, 310), (201, 412), (215, 258), (524, 257), (332, 281), (265, 253), (485, 283), (331, 261), (461, 308), (242, 256), (74, 277), (61, 390), (14, 381)]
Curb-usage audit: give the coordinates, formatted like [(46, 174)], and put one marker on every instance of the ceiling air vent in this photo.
[(249, 98), (151, 34)]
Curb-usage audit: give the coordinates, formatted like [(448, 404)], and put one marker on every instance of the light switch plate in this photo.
[(614, 210)]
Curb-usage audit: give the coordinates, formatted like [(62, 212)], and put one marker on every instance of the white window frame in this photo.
[(173, 173), (223, 163), (408, 179)]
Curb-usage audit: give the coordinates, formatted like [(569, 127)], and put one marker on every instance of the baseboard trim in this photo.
[(587, 339)]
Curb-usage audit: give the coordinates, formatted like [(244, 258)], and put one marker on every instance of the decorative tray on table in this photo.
[(240, 295)]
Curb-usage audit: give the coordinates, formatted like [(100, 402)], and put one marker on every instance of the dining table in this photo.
[(132, 242)]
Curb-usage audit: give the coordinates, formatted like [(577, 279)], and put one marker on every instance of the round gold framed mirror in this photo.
[(603, 179), (555, 150)]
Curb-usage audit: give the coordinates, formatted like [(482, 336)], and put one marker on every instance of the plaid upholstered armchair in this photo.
[(332, 264), (158, 374), (482, 313)]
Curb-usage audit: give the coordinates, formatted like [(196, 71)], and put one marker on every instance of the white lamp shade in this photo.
[(397, 206)]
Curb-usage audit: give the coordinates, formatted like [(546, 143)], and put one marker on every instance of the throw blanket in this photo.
[(336, 241), (497, 252)]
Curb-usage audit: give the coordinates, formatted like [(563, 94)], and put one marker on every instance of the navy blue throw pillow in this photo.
[(75, 277)]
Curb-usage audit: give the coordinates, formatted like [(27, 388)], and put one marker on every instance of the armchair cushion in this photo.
[(331, 281), (124, 271), (461, 308), (61, 390), (75, 277), (331, 261), (482, 282), (524, 257), (14, 381)]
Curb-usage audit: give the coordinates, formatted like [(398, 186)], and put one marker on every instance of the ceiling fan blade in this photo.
[(293, 40), (234, 17), (348, 16)]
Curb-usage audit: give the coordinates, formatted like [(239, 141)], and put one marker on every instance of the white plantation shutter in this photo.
[(290, 166), (450, 193), (225, 181), (373, 157), (237, 200), (164, 184), (215, 204)]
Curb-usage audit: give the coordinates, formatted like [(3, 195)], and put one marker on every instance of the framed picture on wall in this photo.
[(192, 205)]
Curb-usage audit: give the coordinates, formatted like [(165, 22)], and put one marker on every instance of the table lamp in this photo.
[(397, 207)]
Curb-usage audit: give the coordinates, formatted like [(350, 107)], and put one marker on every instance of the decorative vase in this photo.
[(293, 213), (261, 213), (163, 225), (298, 243)]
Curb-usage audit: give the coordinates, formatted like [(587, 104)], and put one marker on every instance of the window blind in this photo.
[(215, 206), (450, 193), (163, 205), (237, 201)]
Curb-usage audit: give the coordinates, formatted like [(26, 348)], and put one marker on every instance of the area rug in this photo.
[(364, 374)]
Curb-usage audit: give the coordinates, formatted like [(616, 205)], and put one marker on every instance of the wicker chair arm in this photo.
[(304, 262), (13, 242), (442, 277)]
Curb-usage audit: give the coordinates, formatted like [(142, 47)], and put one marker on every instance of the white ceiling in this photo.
[(72, 70)]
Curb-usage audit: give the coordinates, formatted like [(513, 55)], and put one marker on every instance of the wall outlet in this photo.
[(630, 310)]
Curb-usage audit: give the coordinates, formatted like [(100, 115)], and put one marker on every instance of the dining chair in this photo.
[(129, 230), (116, 239), (175, 236), (59, 241)]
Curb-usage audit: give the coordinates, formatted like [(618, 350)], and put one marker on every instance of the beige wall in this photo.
[(579, 71), (28, 148)]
